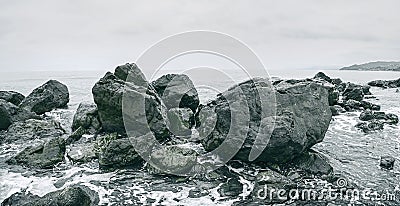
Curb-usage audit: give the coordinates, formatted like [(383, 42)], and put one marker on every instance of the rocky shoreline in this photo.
[(304, 109)]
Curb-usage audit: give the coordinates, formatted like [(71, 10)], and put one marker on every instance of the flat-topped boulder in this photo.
[(51, 95)]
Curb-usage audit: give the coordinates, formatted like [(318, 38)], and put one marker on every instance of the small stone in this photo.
[(387, 162)]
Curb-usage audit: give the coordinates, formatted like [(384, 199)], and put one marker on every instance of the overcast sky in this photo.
[(99, 34)]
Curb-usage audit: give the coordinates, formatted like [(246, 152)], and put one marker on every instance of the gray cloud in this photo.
[(76, 34)]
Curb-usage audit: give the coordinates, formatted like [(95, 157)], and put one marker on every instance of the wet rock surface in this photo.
[(12, 97), (51, 95), (9, 113), (387, 162), (177, 90), (108, 95), (385, 83), (43, 156), (302, 118)]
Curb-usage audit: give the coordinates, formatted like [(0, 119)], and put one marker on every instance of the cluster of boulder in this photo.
[(385, 83), (348, 97), (283, 128)]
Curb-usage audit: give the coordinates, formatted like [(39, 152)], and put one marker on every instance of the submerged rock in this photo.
[(385, 83), (86, 116), (75, 195), (370, 126), (386, 118), (108, 93), (12, 97), (32, 129), (181, 120), (9, 113), (51, 95), (177, 90), (41, 156), (302, 119), (387, 162)]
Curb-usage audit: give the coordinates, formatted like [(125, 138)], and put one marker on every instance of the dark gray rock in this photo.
[(385, 83), (51, 95), (353, 105), (181, 120), (323, 76), (302, 119), (336, 110), (43, 156), (333, 97), (108, 94), (231, 188), (10, 113), (30, 129), (313, 163), (12, 97), (367, 127), (354, 92), (87, 117), (387, 162), (75, 195), (177, 90), (118, 153), (385, 118)]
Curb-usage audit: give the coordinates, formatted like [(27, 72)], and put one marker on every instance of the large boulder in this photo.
[(12, 97), (31, 129), (75, 195), (108, 95), (43, 156), (354, 92), (51, 95), (313, 163), (10, 113), (87, 117), (302, 118), (177, 90)]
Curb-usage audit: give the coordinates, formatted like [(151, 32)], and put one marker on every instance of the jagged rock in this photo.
[(352, 105), (336, 110), (173, 160), (177, 90), (181, 120), (86, 116), (323, 76), (333, 97), (118, 153), (41, 156), (355, 92), (313, 163), (75, 195), (370, 126), (386, 118), (51, 95), (30, 129), (302, 119), (10, 113), (387, 162), (12, 97), (385, 83), (76, 135), (108, 95)]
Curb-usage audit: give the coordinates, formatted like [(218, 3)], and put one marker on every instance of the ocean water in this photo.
[(352, 153)]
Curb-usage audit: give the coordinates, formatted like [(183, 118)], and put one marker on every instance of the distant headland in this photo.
[(375, 66)]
